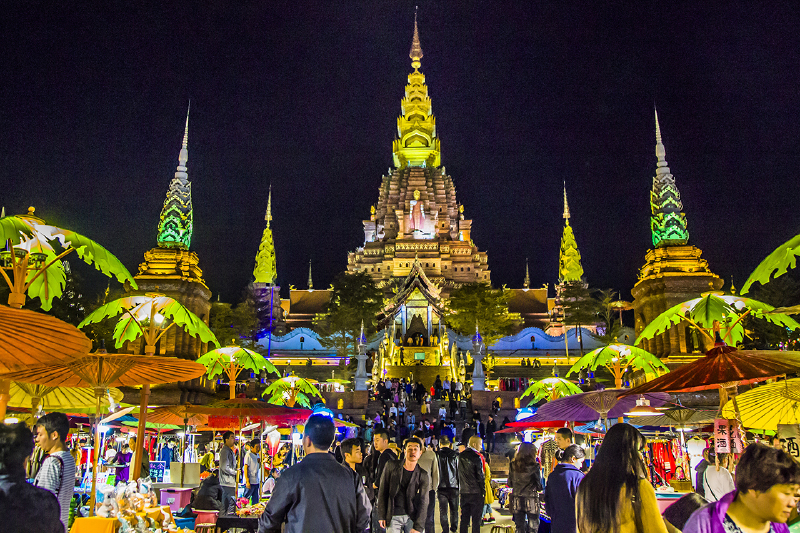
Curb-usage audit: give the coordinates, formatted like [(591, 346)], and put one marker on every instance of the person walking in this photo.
[(766, 494), (491, 427), (447, 492), (252, 463), (446, 388), (615, 495), (717, 480), (317, 494), (57, 473), (471, 485), (227, 469), (525, 480), (403, 494), (24, 507), (429, 462), (351, 449), (381, 454), (562, 486)]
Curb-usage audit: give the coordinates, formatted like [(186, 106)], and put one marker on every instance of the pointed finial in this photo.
[(183, 157), (268, 216), (310, 281), (566, 205), (733, 287), (416, 49), (527, 282), (3, 212), (661, 153)]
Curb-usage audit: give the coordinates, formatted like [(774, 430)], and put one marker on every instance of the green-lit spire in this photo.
[(667, 221), (266, 268), (569, 260), (175, 225)]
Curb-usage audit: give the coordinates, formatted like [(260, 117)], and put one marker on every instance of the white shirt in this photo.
[(442, 412), (459, 385), (717, 484)]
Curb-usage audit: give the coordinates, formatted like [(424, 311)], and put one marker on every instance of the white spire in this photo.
[(661, 153), (268, 216), (527, 282), (183, 157), (310, 281), (566, 205)]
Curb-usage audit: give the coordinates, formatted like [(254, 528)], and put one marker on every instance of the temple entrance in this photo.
[(416, 333)]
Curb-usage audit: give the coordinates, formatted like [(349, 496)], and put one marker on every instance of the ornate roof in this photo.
[(416, 280), (175, 224), (667, 222)]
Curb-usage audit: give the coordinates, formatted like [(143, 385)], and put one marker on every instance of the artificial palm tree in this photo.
[(231, 360)]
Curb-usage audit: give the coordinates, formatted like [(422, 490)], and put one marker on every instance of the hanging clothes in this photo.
[(547, 457)]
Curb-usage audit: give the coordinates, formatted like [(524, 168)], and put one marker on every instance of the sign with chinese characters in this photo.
[(157, 470), (790, 439), (727, 438)]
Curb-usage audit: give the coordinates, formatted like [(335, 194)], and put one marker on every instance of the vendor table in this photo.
[(665, 499), (95, 524), (227, 522)]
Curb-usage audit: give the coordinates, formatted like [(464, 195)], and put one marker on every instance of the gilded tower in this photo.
[(171, 268), (674, 270), (417, 217), (266, 292)]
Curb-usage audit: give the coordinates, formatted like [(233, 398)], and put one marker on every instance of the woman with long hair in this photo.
[(525, 480), (615, 495)]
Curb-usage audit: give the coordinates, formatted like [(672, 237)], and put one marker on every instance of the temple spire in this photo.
[(266, 269), (667, 220), (527, 283), (416, 50), (310, 281), (175, 224), (569, 259)]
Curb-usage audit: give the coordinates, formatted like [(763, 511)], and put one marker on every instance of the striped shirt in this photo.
[(59, 478)]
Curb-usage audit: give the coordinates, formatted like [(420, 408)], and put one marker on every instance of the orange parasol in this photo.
[(101, 370), (31, 338), (177, 415)]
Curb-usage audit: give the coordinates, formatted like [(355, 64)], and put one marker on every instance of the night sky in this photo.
[(305, 96)]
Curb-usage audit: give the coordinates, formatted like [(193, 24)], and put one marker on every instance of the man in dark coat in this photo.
[(403, 492), (448, 485), (471, 484), (562, 486), (376, 462), (317, 494), (24, 508)]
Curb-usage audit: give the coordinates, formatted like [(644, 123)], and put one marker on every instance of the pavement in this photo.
[(502, 516)]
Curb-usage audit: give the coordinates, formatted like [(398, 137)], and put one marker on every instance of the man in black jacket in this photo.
[(317, 494), (403, 492), (471, 485), (376, 462), (448, 485)]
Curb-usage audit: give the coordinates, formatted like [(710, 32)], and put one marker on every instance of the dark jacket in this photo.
[(559, 497), (416, 493), (448, 468), (471, 477), (491, 427), (317, 494), (210, 496), (526, 481), (700, 471), (28, 509), (386, 456)]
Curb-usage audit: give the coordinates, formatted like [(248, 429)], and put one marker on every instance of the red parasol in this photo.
[(723, 365), (528, 423)]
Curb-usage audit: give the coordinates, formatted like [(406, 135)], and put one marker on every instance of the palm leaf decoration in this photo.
[(778, 262), (140, 309), (723, 311), (550, 389), (292, 390), (28, 234), (231, 360), (617, 358)]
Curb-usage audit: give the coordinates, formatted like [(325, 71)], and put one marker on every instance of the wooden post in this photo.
[(140, 431)]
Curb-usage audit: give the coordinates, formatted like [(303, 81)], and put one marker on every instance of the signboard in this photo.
[(157, 471), (419, 356), (727, 438), (790, 439)]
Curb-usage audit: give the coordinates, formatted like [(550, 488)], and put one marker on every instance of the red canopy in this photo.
[(525, 424)]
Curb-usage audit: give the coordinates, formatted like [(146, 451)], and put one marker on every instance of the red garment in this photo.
[(663, 459)]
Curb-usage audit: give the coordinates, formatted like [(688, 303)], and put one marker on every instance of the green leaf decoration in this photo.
[(94, 254), (305, 391), (219, 360), (549, 388), (50, 283), (631, 356), (778, 262), (141, 307), (14, 229)]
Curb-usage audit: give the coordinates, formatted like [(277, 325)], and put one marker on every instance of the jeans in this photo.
[(526, 522), (471, 508), (400, 524), (431, 511), (252, 493), (448, 500)]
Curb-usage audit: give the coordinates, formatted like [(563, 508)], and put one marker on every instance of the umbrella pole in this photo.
[(5, 396), (137, 466), (96, 451), (183, 448)]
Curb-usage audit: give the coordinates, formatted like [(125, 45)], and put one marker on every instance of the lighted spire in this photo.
[(527, 282), (175, 224), (417, 144), (667, 220), (266, 266), (310, 281), (569, 260)]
